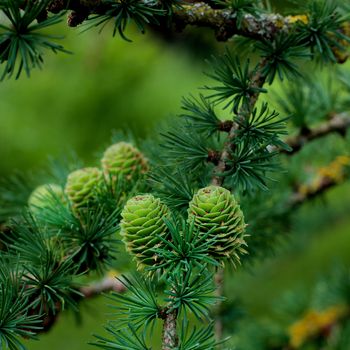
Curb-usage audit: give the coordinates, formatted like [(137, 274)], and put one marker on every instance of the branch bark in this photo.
[(258, 80), (169, 334), (222, 21), (339, 123), (107, 284), (334, 174), (218, 326), (299, 197)]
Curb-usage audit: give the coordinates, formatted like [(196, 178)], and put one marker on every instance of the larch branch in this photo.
[(339, 123)]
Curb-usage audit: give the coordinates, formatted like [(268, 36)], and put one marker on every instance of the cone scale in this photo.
[(142, 224), (123, 159), (215, 209), (81, 186)]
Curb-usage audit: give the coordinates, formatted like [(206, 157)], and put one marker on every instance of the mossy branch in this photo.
[(222, 21), (339, 123), (328, 177)]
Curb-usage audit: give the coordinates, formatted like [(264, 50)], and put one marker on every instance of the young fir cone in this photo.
[(81, 186), (39, 197), (124, 159), (142, 224), (215, 208)]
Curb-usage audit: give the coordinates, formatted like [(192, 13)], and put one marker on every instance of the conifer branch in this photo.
[(225, 22), (226, 125), (339, 123), (225, 25), (301, 196), (257, 82), (328, 177), (169, 334), (107, 284), (222, 21), (218, 326), (214, 157)]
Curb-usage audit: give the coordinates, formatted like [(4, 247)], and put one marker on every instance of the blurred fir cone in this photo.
[(123, 159), (41, 196), (215, 209), (82, 185), (142, 224)]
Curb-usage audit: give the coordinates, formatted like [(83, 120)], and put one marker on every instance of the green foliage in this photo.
[(250, 167), (65, 236), (186, 249), (250, 157), (47, 273), (297, 101), (201, 114), (191, 292), (235, 81), (268, 226), (280, 56), (309, 99), (174, 188), (14, 194), (261, 127), (240, 8), (201, 339), (15, 320), (184, 146), (139, 306), (325, 303), (122, 339), (87, 237), (58, 169), (91, 241), (22, 40), (321, 32), (122, 12)]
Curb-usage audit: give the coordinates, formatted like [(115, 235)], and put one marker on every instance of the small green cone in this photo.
[(142, 223), (215, 208), (42, 194), (81, 186), (123, 159)]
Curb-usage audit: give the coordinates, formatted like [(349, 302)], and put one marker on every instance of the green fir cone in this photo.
[(42, 194), (142, 224), (215, 208), (81, 186), (123, 159)]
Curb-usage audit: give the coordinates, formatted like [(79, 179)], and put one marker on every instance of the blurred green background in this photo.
[(109, 84), (75, 103)]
